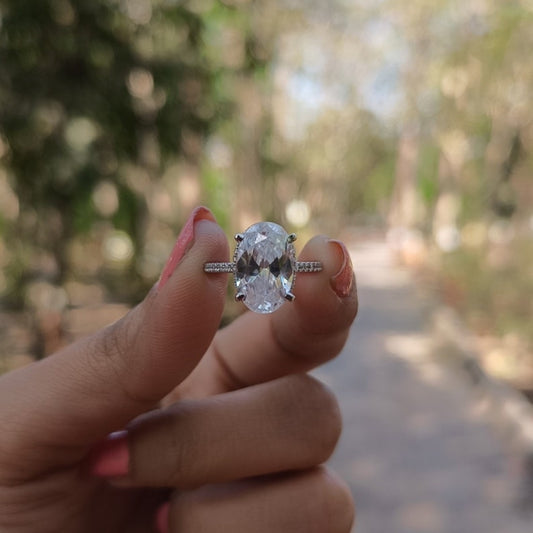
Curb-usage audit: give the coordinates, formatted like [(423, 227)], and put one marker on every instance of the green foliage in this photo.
[(84, 88), (376, 188), (428, 166), (217, 194), (501, 311), (95, 94), (128, 212)]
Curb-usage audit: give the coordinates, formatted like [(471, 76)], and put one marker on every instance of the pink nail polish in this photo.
[(111, 458), (342, 282), (183, 243), (161, 518)]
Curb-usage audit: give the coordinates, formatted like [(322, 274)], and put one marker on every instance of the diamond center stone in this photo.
[(265, 266)]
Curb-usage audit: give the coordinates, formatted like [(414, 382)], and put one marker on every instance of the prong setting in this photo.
[(264, 267)]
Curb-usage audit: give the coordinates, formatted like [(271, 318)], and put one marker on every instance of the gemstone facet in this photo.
[(265, 267)]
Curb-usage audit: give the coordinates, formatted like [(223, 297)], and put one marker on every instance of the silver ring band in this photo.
[(218, 268), (230, 268)]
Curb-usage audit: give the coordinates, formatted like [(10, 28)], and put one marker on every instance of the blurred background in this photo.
[(408, 125)]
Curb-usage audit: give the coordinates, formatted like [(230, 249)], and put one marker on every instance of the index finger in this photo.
[(96, 386), (299, 336)]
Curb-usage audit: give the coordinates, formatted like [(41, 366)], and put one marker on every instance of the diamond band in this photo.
[(218, 268), (308, 266), (230, 268), (265, 267)]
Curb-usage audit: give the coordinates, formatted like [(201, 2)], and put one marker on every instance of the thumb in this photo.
[(97, 385)]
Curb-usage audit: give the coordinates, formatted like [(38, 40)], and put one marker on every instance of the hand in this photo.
[(229, 444)]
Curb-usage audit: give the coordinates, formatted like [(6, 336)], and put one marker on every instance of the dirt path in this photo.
[(418, 449)]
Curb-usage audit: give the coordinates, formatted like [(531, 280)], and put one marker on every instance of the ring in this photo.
[(264, 267)]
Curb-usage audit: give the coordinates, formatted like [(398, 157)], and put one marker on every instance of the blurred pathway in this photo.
[(418, 449)]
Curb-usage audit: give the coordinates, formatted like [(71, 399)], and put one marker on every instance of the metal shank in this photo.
[(217, 268), (229, 268), (308, 266)]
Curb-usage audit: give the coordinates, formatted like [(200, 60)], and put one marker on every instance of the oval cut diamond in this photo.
[(265, 264)]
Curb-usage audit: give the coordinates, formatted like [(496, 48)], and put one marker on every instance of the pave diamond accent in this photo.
[(308, 266), (217, 268), (265, 267), (229, 268)]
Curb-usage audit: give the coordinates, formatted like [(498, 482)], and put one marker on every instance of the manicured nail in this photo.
[(161, 518), (342, 282), (184, 242), (111, 458)]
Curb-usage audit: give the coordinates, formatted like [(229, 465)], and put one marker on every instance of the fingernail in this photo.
[(183, 243), (111, 458), (342, 281), (161, 518)]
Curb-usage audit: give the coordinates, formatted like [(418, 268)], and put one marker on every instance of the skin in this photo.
[(224, 425)]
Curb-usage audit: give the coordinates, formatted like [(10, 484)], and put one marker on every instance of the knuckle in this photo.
[(115, 340), (103, 355), (319, 415), (10, 450), (111, 354), (175, 472), (105, 349), (185, 467), (160, 454)]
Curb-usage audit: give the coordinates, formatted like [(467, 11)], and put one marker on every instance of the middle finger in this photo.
[(288, 424), (258, 348)]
